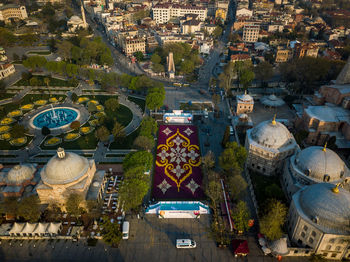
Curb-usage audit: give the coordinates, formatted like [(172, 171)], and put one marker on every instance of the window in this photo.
[(311, 240), (305, 228), (313, 233), (302, 234), (328, 247), (332, 240), (338, 248), (325, 254), (300, 242), (326, 178), (334, 254)]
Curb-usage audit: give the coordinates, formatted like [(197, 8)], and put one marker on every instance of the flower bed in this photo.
[(4, 129), (93, 122), (71, 136), (40, 102), (177, 171), (82, 99), (100, 108), (5, 136), (7, 121), (86, 130), (15, 113), (53, 100), (99, 114), (18, 141), (94, 102), (27, 107), (53, 141)]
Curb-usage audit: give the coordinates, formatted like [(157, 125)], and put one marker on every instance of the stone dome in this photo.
[(20, 173), (325, 207), (316, 162), (271, 134), (245, 98), (64, 168), (272, 101)]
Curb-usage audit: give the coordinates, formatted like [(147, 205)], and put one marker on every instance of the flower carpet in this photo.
[(177, 173)]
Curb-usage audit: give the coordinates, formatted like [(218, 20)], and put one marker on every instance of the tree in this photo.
[(112, 104), (102, 134), (118, 130), (132, 192), (216, 99), (217, 31), (149, 127), (241, 216), (111, 232), (187, 67), (271, 223), (92, 107), (74, 97), (208, 161), (139, 56), (93, 208), (156, 59), (135, 159), (237, 186), (73, 203), (34, 81), (75, 125), (226, 76), (246, 76), (18, 131), (155, 98), (214, 192), (157, 68), (233, 157), (29, 208), (263, 72), (10, 206), (144, 143), (45, 131), (274, 191), (47, 81), (226, 137), (64, 49)]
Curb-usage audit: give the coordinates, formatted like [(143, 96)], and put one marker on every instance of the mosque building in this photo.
[(319, 218), (68, 173), (314, 164), (268, 145), (244, 104)]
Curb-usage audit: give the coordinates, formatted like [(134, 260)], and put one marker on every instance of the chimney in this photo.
[(60, 153)]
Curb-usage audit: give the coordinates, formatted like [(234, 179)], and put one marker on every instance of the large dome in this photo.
[(317, 162), (271, 134), (326, 208), (20, 173), (64, 168)]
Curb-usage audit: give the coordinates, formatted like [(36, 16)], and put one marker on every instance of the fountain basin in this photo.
[(55, 118)]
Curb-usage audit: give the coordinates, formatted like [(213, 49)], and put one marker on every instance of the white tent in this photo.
[(16, 228), (28, 229), (272, 101), (40, 229), (279, 247), (54, 228)]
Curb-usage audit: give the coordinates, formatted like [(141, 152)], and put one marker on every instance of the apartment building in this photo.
[(132, 45), (251, 33), (6, 70), (162, 13), (282, 54), (11, 11), (306, 49)]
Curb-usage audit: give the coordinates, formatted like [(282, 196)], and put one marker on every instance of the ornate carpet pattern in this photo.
[(177, 169)]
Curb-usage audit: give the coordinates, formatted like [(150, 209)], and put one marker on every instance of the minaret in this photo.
[(83, 15)]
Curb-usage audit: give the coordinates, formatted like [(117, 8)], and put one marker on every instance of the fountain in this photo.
[(55, 117)]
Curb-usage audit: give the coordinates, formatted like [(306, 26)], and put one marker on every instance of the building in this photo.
[(240, 58), (319, 218), (245, 104), (68, 173), (268, 145), (282, 54), (43, 2), (312, 165), (134, 44), (171, 65), (6, 70), (75, 22), (306, 49), (221, 14), (163, 12), (18, 181), (12, 11), (191, 26), (250, 33), (3, 56)]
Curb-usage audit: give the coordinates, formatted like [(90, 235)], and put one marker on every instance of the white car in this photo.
[(185, 243)]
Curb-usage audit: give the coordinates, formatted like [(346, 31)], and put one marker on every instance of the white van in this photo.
[(185, 243), (125, 230), (231, 131)]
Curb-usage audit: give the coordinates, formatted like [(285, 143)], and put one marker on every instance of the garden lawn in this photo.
[(39, 52), (53, 82), (126, 142), (5, 145), (88, 141)]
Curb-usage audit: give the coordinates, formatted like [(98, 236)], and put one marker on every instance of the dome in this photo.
[(20, 173), (271, 134), (75, 19), (245, 98), (279, 247), (64, 168), (325, 207), (317, 161), (272, 101)]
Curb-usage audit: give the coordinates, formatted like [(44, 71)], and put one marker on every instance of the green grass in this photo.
[(5, 145), (140, 102), (53, 82), (39, 53), (88, 141), (6, 95), (127, 142)]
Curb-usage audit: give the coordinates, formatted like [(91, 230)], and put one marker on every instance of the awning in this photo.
[(240, 247)]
